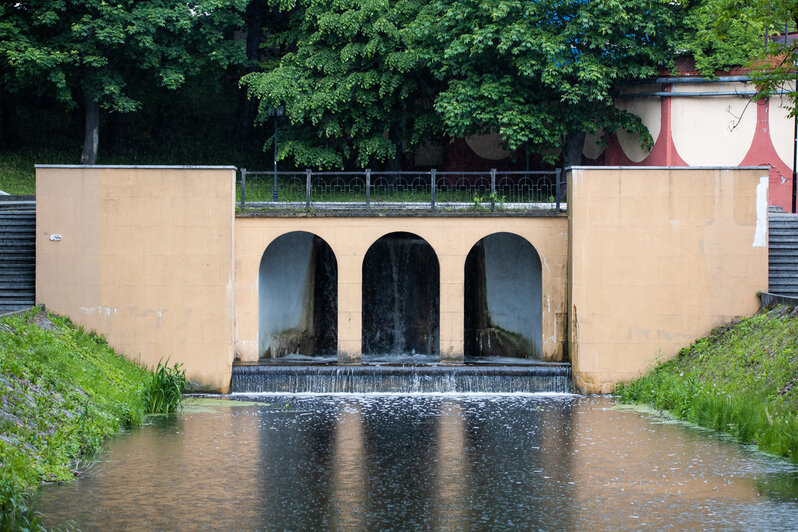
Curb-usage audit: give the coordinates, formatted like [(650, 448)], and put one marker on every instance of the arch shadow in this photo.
[(297, 297), (503, 303)]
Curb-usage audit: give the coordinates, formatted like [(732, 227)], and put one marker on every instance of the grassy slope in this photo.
[(742, 379), (62, 392)]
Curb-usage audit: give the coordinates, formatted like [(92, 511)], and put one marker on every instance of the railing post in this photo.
[(243, 187), (368, 189), (558, 175), (433, 187), (308, 174), (492, 189)]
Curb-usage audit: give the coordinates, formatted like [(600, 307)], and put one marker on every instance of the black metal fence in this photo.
[(366, 190)]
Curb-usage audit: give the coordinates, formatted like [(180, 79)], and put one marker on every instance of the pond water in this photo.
[(448, 462)]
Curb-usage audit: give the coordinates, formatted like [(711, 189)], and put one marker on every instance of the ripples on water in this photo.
[(451, 462)]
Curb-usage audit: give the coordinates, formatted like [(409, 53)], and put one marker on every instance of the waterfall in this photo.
[(402, 379), (401, 297)]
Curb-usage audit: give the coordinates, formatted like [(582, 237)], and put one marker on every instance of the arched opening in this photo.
[(503, 298), (401, 298), (298, 298)]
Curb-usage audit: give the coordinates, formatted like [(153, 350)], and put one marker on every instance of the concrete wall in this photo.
[(145, 257), (659, 257), (450, 237)]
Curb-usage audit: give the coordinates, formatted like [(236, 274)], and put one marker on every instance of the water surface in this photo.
[(451, 462)]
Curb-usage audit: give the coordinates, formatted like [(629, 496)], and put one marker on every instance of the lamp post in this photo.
[(276, 112)]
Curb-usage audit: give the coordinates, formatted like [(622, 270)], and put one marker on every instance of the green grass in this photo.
[(742, 379), (164, 392), (63, 391)]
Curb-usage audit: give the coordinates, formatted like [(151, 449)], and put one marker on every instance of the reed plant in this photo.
[(164, 392), (742, 379)]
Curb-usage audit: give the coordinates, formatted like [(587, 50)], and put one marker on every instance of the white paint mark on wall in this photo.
[(760, 235), (543, 258), (100, 310)]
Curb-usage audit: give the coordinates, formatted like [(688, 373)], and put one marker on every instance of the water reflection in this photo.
[(441, 462)]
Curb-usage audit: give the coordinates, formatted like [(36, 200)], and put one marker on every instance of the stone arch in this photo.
[(401, 296), (502, 298), (297, 297)]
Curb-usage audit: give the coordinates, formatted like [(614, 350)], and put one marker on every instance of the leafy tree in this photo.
[(352, 91), (541, 71), (720, 36), (90, 52)]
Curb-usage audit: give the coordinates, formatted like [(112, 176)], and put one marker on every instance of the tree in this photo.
[(720, 39), (542, 71), (772, 60), (89, 52), (352, 91)]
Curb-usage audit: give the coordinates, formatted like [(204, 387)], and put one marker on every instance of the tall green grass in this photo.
[(742, 379), (164, 392)]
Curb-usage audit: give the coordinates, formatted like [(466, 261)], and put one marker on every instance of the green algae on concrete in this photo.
[(741, 380)]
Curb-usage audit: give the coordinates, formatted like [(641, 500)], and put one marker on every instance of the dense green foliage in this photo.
[(363, 82), (101, 53), (537, 71), (722, 38), (62, 392), (742, 379), (351, 89), (731, 33)]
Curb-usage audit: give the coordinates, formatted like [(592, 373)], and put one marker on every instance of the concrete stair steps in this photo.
[(783, 253), (14, 283), (17, 257), (17, 298), (11, 307)]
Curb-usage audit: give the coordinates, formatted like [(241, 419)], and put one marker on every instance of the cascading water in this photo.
[(402, 379), (400, 297)]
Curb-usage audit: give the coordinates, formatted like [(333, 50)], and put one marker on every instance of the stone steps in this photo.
[(783, 254), (17, 253)]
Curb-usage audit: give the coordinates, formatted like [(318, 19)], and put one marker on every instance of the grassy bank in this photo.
[(742, 379), (62, 392)]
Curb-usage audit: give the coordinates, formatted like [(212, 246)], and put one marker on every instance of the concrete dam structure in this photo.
[(645, 261)]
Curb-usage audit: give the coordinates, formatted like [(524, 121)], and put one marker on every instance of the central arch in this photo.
[(401, 297)]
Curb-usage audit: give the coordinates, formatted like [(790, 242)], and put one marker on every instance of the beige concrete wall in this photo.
[(659, 257), (145, 258), (451, 238)]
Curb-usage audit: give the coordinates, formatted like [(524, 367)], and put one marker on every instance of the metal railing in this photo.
[(368, 190)]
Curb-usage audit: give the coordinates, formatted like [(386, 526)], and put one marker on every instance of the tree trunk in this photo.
[(91, 131), (10, 124), (247, 108), (574, 145)]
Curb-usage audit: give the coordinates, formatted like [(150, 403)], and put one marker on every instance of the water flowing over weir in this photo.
[(402, 379), (401, 296)]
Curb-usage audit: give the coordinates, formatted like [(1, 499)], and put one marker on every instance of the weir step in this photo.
[(251, 378)]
